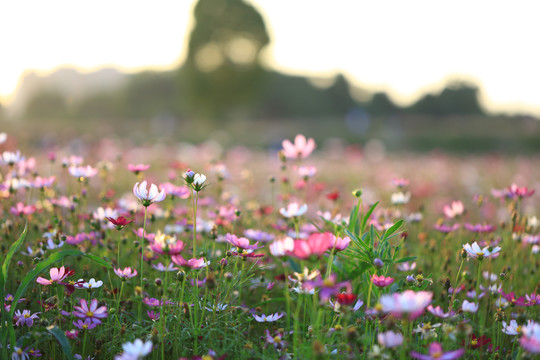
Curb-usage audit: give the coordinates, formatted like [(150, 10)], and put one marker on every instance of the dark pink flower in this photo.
[(436, 353), (381, 281)]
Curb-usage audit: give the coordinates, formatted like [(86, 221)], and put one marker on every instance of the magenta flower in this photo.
[(57, 275), (300, 149), (191, 263), (72, 334), (407, 303), (152, 315), (91, 312), (340, 244), (148, 197), (166, 244), (528, 300), (436, 353), (125, 273), (519, 192), (240, 243), (381, 281), (268, 318), (25, 318), (480, 228)]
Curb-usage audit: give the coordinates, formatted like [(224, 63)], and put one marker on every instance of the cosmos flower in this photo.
[(453, 210), (301, 148), (120, 222), (531, 337), (125, 273), (281, 247), (400, 198), (407, 303), (436, 353), (316, 245), (87, 324), (191, 263), (268, 318), (136, 169), (438, 312), (92, 312), (25, 318), (21, 209), (135, 350), (83, 172), (198, 182), (166, 244), (293, 210), (469, 306), (511, 329), (240, 243), (146, 197), (11, 158), (91, 284), (57, 275), (381, 281), (390, 339), (475, 251)]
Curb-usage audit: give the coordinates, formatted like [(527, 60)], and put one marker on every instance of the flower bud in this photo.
[(378, 263), (357, 193)]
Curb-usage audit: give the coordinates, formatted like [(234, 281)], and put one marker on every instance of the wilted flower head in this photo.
[(301, 148), (148, 197)]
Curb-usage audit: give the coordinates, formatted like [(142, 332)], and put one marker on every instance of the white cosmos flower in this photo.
[(198, 182), (475, 251), (511, 329), (3, 137), (293, 210), (268, 318), (469, 306), (92, 283), (136, 349), (148, 197), (400, 198)]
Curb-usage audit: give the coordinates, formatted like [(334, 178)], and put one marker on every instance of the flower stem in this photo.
[(142, 261)]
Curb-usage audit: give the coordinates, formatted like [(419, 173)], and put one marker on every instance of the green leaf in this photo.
[(392, 229), (367, 216), (357, 240), (99, 260), (12, 250), (62, 340), (295, 266), (353, 220)]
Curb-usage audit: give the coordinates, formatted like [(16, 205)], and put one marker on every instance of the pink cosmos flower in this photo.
[(125, 273), (25, 318), (531, 337), (268, 318), (327, 287), (408, 302), (41, 183), (520, 192), (300, 149), (146, 197), (191, 263), (381, 281), (166, 244), (20, 209), (436, 353), (57, 275), (91, 312), (72, 334), (453, 210), (469, 306), (138, 168), (390, 339), (317, 244), (241, 243), (181, 192), (340, 244)]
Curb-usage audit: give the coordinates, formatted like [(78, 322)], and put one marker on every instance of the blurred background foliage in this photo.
[(222, 85)]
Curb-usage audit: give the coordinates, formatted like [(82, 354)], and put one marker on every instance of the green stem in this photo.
[(142, 262)]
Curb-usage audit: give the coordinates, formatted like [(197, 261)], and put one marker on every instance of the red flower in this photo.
[(346, 299), (120, 222), (333, 195)]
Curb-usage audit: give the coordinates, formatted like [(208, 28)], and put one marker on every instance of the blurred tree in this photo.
[(47, 105), (381, 104), (457, 98), (222, 70)]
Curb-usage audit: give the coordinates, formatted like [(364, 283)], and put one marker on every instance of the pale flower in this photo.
[(146, 197)]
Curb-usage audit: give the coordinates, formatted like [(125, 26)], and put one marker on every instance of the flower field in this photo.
[(309, 251)]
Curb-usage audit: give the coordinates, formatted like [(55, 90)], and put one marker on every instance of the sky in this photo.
[(406, 48)]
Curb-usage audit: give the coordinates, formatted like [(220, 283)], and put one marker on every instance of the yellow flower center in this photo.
[(474, 342), (436, 355), (378, 307), (518, 329), (89, 313), (328, 282), (277, 339), (26, 316)]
